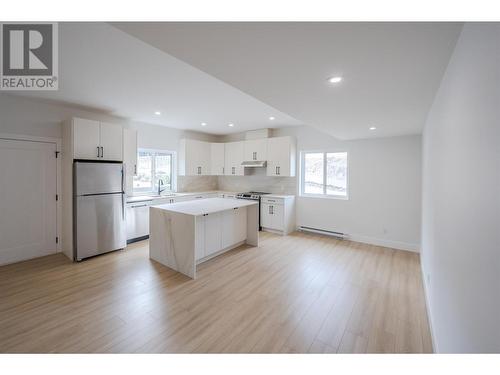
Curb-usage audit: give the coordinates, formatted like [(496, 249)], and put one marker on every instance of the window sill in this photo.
[(324, 196)]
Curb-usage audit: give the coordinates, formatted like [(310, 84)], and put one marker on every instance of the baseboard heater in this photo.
[(340, 235)]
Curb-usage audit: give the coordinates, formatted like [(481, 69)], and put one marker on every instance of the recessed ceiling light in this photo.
[(157, 113), (373, 128), (203, 124), (230, 125), (271, 118), (335, 79)]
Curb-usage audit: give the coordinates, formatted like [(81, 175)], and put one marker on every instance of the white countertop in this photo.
[(144, 198), (205, 206), (277, 196)]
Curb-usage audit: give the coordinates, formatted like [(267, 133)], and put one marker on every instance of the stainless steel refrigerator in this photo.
[(98, 208)]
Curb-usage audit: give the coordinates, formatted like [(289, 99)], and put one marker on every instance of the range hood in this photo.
[(254, 163)]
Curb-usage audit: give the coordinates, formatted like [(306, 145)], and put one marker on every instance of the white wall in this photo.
[(37, 118), (461, 197), (384, 203), (34, 117), (384, 193), (29, 117)]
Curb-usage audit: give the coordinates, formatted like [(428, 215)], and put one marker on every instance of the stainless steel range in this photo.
[(254, 196)]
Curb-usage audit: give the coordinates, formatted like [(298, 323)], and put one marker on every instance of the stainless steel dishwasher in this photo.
[(138, 220)]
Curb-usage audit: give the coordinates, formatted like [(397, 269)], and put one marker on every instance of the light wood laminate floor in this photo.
[(302, 293)]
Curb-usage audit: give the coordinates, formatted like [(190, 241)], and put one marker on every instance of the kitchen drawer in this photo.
[(166, 200), (272, 200)]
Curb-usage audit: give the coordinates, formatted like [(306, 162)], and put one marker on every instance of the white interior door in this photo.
[(28, 187)]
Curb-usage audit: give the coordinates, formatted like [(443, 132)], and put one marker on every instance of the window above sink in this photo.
[(153, 166)]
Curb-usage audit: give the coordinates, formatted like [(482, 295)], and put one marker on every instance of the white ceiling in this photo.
[(105, 69), (391, 71)]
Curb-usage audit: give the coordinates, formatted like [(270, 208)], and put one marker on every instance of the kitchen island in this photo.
[(185, 234)]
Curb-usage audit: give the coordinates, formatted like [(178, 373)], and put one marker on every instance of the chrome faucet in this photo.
[(160, 184)]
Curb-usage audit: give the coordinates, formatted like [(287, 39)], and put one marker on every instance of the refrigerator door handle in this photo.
[(123, 191), (123, 206)]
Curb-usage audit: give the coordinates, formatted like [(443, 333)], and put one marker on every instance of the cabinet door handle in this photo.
[(102, 151), (135, 168), (142, 205), (254, 155), (233, 170), (270, 210), (279, 172), (223, 170), (98, 153)]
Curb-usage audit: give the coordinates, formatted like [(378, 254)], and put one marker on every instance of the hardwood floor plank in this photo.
[(303, 293)]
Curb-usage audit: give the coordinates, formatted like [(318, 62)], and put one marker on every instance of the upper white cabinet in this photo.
[(281, 156), (93, 140), (256, 149), (86, 139), (234, 156), (111, 140), (217, 159), (194, 158), (130, 151)]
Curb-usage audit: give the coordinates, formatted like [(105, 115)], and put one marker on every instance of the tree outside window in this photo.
[(151, 167), (324, 174)]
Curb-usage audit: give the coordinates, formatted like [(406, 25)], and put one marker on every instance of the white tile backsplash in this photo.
[(276, 185), (196, 183)]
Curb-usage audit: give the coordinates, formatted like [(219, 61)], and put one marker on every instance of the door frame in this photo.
[(57, 142)]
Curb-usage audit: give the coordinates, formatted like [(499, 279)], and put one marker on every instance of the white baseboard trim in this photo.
[(428, 308), (385, 243)]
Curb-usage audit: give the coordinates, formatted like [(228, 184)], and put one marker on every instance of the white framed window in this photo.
[(154, 168), (324, 174)]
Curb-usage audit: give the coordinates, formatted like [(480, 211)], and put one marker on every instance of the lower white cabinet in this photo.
[(277, 214), (219, 231), (272, 216), (213, 233), (234, 226)]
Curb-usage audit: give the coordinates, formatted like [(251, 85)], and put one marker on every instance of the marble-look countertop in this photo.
[(144, 198), (206, 206), (278, 196)]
